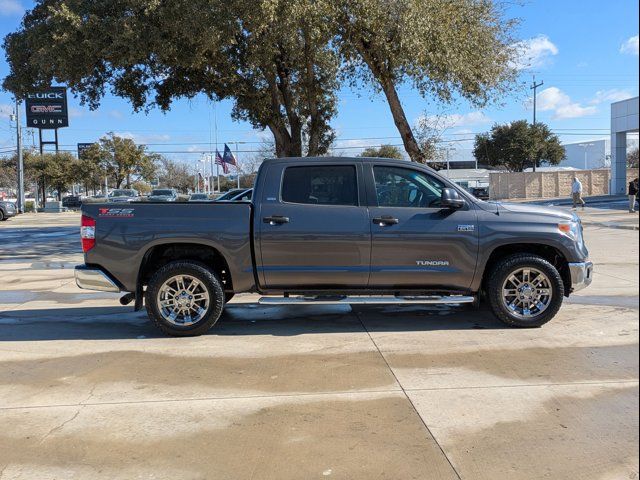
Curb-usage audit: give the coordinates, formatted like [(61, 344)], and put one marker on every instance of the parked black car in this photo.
[(480, 192), (72, 201), (227, 196)]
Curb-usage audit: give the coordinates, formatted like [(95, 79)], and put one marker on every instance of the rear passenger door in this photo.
[(314, 231)]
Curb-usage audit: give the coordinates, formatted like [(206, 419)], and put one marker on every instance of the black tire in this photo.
[(203, 274), (503, 269), (2, 216)]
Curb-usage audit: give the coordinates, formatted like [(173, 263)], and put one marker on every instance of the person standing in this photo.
[(576, 193), (633, 193)]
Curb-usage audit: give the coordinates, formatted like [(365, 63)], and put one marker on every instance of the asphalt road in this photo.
[(89, 389)]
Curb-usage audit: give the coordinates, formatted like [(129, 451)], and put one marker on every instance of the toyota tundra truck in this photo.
[(335, 230)]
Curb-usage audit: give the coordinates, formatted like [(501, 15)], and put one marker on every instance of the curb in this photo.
[(612, 225)]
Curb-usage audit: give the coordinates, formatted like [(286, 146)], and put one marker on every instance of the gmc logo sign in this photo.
[(46, 109)]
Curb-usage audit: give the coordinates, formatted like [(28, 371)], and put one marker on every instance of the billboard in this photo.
[(47, 108), (82, 147)]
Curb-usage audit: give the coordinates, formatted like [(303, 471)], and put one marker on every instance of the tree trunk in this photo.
[(384, 77), (286, 146), (289, 103), (313, 147), (400, 119)]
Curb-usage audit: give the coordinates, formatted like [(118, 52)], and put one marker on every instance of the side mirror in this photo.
[(451, 199)]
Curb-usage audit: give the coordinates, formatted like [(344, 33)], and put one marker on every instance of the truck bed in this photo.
[(126, 233)]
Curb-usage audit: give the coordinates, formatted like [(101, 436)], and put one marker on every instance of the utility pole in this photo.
[(534, 87), (20, 159)]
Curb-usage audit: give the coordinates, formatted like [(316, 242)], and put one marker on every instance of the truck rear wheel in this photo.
[(525, 290), (184, 298)]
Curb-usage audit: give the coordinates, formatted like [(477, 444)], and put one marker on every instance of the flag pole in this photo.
[(237, 165)]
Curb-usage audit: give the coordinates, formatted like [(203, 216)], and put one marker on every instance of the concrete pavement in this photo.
[(89, 389)]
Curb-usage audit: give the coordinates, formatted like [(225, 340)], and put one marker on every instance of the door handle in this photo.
[(276, 220), (385, 220)]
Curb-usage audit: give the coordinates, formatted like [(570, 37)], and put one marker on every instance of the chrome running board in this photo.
[(367, 300)]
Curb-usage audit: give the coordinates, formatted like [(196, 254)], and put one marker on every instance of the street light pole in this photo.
[(586, 146), (534, 87)]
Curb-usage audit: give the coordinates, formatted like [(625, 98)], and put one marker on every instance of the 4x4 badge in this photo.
[(466, 228)]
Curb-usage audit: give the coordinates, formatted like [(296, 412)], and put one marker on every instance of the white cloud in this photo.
[(6, 109), (144, 138), (443, 122), (613, 95), (534, 52), (630, 46), (10, 7), (117, 114), (554, 99), (76, 113)]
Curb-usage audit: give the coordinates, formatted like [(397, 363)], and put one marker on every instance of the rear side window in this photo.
[(320, 185)]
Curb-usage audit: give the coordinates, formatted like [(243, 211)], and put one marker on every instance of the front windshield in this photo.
[(162, 192)]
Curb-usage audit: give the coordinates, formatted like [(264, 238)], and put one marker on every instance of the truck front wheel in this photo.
[(184, 298), (524, 290)]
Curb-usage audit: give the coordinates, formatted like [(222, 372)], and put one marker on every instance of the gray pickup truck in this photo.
[(335, 230)]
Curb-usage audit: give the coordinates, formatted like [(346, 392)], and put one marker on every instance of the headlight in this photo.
[(573, 230)]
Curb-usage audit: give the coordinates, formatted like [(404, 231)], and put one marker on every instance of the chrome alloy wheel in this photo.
[(183, 300), (526, 293)]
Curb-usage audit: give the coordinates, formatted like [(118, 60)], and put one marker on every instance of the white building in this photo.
[(624, 121), (588, 155)]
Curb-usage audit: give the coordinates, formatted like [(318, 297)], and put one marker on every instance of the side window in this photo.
[(402, 187), (321, 185)]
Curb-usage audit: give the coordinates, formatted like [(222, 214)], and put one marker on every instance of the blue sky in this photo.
[(586, 52)]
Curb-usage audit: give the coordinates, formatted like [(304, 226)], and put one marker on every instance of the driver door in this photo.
[(415, 243)]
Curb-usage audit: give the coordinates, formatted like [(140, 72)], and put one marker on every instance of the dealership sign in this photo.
[(82, 149), (47, 108)]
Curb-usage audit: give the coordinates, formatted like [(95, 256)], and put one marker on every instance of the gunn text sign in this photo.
[(47, 108)]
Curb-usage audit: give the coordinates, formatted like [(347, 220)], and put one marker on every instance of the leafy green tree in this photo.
[(445, 49), (121, 159), (142, 187), (274, 59), (384, 151), (176, 175), (57, 171), (90, 173), (516, 146)]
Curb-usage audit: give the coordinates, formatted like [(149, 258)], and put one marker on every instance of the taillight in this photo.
[(87, 233)]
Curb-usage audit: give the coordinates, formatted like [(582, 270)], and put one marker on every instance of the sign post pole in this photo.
[(20, 160)]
